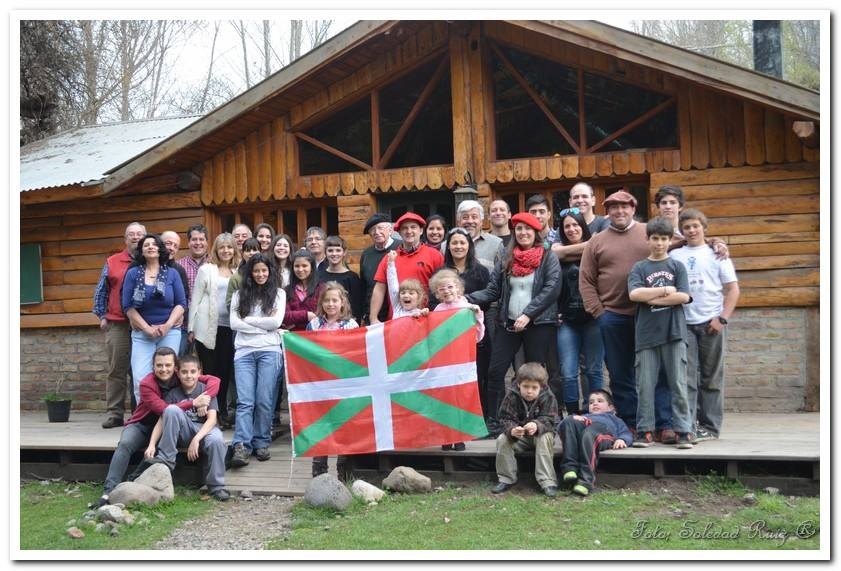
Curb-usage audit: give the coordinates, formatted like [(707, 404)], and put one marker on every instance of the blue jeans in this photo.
[(256, 375), (618, 338), (134, 437), (574, 339), (143, 350)]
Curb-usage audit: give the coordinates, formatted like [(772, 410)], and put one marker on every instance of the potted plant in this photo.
[(58, 405)]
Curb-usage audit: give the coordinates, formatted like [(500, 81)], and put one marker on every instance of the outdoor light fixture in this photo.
[(466, 191)]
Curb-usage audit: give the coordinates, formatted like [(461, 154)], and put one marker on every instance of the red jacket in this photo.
[(118, 265), (152, 401)]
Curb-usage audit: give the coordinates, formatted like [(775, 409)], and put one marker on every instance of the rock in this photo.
[(100, 527), (75, 533), (133, 492), (749, 499), (326, 491), (368, 492), (246, 494), (109, 513), (70, 523), (128, 518), (157, 477), (771, 490), (407, 480), (114, 532), (88, 515)]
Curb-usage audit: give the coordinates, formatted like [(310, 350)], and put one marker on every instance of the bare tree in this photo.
[(318, 31), (243, 34), (295, 29)]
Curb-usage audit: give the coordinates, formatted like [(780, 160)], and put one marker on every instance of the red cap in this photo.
[(527, 219), (409, 217)]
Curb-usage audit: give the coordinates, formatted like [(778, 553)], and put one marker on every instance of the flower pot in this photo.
[(58, 410)]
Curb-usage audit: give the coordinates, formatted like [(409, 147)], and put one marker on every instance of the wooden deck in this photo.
[(80, 449)]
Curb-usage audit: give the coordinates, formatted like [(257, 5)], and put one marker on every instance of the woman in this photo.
[(153, 300), (302, 292), (264, 234), (257, 311), (209, 318), (282, 248), (436, 231), (527, 284), (578, 331), (250, 247)]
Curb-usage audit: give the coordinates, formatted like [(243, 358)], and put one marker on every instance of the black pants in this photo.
[(536, 340), (582, 445), (219, 362)]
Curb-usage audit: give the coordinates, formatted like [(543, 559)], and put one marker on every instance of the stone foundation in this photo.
[(770, 363)]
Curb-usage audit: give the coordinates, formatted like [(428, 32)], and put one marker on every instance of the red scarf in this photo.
[(526, 261)]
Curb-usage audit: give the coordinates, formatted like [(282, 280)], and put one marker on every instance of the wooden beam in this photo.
[(58, 320), (808, 133), (60, 194), (334, 151), (632, 125), (375, 127)]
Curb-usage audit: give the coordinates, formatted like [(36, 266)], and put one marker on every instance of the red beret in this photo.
[(527, 219), (409, 217)]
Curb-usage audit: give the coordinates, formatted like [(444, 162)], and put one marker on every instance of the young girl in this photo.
[(338, 271), (406, 296), (264, 234), (333, 313), (449, 289), (302, 292), (257, 311)]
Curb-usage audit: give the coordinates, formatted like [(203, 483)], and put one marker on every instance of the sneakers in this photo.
[(550, 491), (685, 440), (241, 456), (501, 487), (581, 490), (112, 422), (666, 436), (459, 447), (102, 501), (221, 495), (262, 454), (702, 434), (446, 447), (643, 440), (570, 478)]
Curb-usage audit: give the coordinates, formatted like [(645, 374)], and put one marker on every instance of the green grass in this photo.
[(46, 512), (472, 518)]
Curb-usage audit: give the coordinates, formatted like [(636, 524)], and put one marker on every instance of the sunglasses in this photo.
[(458, 230), (573, 210)]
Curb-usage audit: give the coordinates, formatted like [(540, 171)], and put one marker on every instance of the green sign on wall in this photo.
[(31, 283)]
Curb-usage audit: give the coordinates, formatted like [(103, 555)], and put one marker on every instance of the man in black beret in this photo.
[(379, 227)]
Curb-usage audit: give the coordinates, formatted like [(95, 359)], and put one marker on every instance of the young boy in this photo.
[(715, 291), (194, 427), (659, 286), (584, 436), (528, 414), (336, 270)]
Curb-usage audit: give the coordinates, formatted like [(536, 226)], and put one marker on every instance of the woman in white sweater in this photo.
[(257, 310), (209, 323)]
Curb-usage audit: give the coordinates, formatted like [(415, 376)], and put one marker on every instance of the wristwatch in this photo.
[(722, 320)]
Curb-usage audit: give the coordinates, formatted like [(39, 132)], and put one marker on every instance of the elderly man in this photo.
[(500, 215), (489, 248), (379, 227), (112, 320), (414, 260), (241, 233), (314, 243)]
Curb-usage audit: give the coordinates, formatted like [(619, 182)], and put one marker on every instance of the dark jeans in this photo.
[(134, 437), (219, 362), (582, 445), (535, 339)]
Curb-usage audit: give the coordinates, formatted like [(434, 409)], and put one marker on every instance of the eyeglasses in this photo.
[(573, 210)]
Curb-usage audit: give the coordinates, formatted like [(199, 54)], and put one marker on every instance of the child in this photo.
[(528, 414), (333, 313), (715, 291), (408, 296), (449, 289), (337, 271), (194, 427), (659, 285), (584, 436), (302, 292)]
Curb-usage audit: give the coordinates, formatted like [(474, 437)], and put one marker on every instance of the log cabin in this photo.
[(395, 115)]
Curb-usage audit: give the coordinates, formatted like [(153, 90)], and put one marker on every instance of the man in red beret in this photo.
[(414, 260)]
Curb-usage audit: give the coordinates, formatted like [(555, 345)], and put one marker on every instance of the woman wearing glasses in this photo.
[(578, 332), (526, 282)]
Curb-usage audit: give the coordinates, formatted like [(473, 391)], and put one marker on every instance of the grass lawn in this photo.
[(708, 514), (46, 511)]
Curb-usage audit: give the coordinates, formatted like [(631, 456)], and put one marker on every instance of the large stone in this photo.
[(109, 513), (158, 477), (75, 533), (407, 480), (325, 491), (132, 492), (366, 491)]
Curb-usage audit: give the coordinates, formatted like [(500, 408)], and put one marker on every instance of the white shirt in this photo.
[(707, 276)]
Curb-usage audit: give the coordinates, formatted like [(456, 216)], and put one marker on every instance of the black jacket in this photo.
[(515, 411)]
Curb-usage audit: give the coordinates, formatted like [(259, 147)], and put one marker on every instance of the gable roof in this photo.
[(82, 156), (268, 99)]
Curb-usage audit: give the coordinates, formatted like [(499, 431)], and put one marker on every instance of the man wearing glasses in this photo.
[(489, 248), (379, 227), (314, 243)]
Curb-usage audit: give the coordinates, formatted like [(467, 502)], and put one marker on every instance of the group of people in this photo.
[(595, 290)]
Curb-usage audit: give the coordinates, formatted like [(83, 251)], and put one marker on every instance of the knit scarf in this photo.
[(138, 296), (526, 261)]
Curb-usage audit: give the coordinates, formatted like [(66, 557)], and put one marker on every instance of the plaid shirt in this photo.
[(100, 294), (191, 266)]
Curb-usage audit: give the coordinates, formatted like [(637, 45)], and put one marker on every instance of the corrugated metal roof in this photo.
[(84, 154)]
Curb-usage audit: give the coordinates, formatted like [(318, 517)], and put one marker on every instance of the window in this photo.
[(31, 282), (422, 203)]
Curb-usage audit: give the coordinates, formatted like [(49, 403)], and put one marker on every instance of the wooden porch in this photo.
[(758, 449)]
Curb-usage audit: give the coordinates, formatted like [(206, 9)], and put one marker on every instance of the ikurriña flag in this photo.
[(406, 383)]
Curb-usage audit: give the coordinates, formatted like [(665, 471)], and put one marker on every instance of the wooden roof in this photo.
[(352, 49)]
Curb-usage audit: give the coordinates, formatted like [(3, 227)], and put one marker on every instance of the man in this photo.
[(197, 235), (241, 233), (112, 320), (489, 248), (414, 260), (538, 207), (605, 264), (500, 214), (581, 196), (172, 242), (379, 227), (314, 242)]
